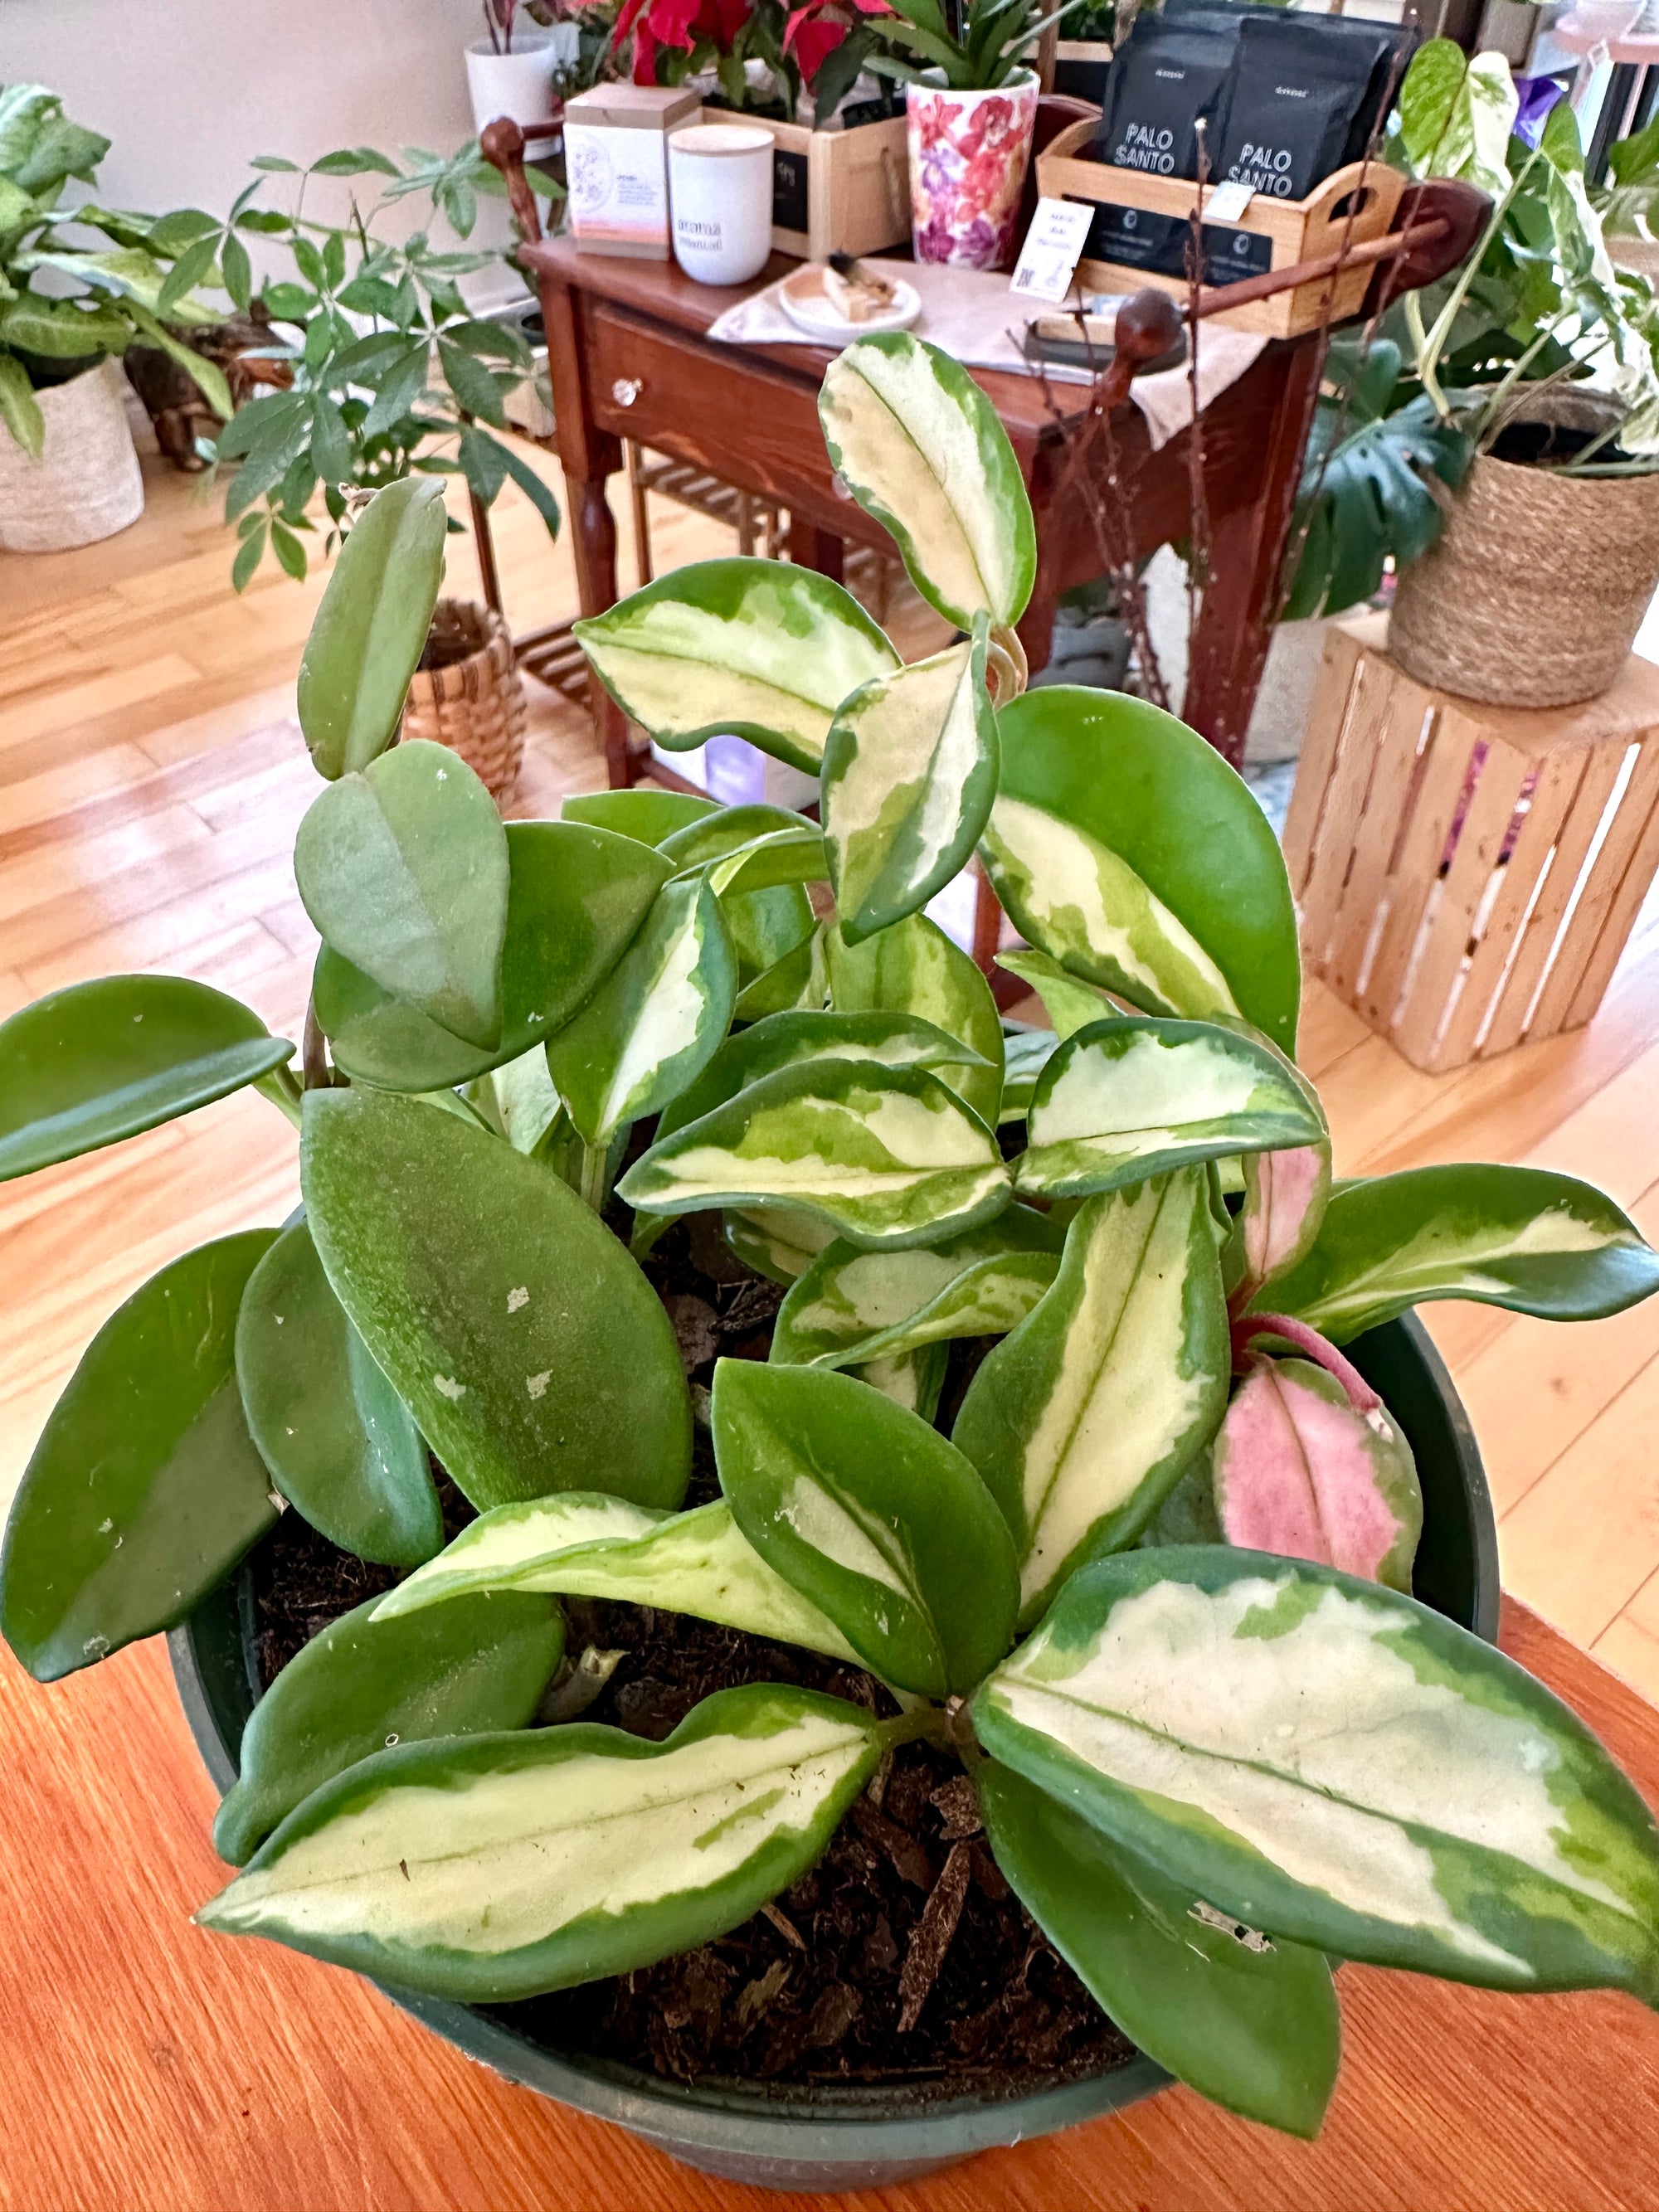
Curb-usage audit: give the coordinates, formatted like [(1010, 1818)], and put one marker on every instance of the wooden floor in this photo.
[(151, 777)]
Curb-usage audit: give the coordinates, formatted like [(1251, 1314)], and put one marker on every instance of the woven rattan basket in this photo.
[(467, 695)]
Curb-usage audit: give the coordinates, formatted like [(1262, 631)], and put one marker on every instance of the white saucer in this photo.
[(803, 300)]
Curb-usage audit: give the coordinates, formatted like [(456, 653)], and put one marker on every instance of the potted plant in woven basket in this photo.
[(912, 1591)]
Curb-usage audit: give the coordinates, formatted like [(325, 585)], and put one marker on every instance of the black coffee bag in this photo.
[(1171, 73), (1303, 100)]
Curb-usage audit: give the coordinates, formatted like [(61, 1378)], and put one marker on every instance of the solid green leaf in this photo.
[(528, 1346), (867, 1511), (643, 812), (96, 1062), (360, 1687), (145, 1488), (19, 409), (913, 967)]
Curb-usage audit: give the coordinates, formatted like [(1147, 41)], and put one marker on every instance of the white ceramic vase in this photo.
[(87, 483), (518, 84)]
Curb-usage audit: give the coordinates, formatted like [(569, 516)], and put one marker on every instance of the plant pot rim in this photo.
[(524, 45), (935, 80), (867, 2136)]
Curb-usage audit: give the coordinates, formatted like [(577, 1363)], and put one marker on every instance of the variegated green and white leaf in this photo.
[(913, 1380), (762, 649), (1025, 1054), (887, 1155), (798, 983), (913, 967), (1285, 1195), (776, 858), (910, 773), (497, 1867), (1070, 1003), (920, 447), (771, 917), (525, 1100), (1332, 1762), (1525, 1238), (1085, 1417), (1132, 1096)]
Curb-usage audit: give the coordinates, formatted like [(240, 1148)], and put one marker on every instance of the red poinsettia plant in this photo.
[(674, 40)]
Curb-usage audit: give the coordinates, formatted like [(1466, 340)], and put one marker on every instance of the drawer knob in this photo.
[(626, 389)]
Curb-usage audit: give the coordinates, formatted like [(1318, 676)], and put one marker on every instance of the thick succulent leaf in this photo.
[(1082, 1420), (755, 859), (145, 1488), (920, 447), (576, 897), (577, 1546), (778, 857), (777, 1242), (514, 1327), (708, 838), (913, 1380), (1132, 1096), (887, 1155), (340, 1443), (99, 1061), (910, 773), (371, 629), (1332, 1762), (655, 1021), (1247, 2022), (403, 870), (913, 967), (498, 1867), (798, 983), (1025, 1054), (867, 1511), (1522, 1238), (1300, 1470), (852, 1306), (759, 648), (524, 1102), (1188, 911), (1071, 1004), (357, 1688), (643, 812), (1285, 1195)]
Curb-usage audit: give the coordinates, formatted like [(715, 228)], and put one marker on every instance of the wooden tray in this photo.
[(852, 188)]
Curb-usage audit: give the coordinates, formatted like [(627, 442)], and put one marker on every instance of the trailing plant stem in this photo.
[(283, 1090), (595, 1159)]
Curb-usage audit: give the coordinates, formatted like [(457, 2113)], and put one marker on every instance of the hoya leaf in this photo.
[(1125, 847), (527, 1344), (913, 967), (755, 859), (910, 773), (403, 870), (1525, 1238), (359, 1686), (1083, 1419), (525, 1101), (799, 983), (792, 856), (913, 1380), (1249, 2022), (576, 897), (1071, 1004), (497, 1867), (1285, 1195), (920, 447), (867, 1511), (761, 649), (777, 1242), (1331, 1762), (643, 812), (655, 1021), (340, 1443), (1130, 1096), (707, 838), (99, 1062), (371, 627), (886, 1155), (145, 1488)]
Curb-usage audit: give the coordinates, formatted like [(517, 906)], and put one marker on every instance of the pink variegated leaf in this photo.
[(1302, 1470), (1285, 1196)]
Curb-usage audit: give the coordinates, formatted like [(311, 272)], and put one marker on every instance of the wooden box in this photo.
[(1467, 875), (1269, 235), (840, 191)]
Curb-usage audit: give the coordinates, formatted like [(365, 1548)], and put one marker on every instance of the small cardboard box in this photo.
[(840, 191), (616, 152)]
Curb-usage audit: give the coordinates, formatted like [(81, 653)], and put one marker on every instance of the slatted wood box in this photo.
[(840, 191), (1353, 205), (1466, 875)]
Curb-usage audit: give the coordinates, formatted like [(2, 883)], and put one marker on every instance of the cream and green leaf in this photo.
[(1070, 1003), (913, 967), (777, 1242)]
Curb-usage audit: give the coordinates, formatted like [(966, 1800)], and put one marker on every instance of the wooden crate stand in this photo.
[(1466, 875), (852, 187)]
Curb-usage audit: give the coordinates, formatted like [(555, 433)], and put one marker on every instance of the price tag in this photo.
[(1048, 258), (1228, 202)]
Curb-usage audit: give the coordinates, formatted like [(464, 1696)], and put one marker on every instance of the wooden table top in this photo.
[(148, 2067)]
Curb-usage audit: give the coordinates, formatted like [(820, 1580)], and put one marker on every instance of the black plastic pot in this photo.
[(862, 2137)]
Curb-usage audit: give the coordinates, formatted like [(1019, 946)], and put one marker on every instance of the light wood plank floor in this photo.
[(151, 776)]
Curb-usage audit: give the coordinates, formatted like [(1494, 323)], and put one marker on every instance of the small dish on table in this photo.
[(852, 302)]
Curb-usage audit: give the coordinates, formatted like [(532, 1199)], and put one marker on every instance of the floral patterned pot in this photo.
[(969, 152)]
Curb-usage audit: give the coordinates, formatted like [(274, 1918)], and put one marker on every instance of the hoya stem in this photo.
[(595, 1159), (1312, 1346), (283, 1090)]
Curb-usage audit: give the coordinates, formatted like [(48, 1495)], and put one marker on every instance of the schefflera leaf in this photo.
[(1125, 848), (96, 1062), (888, 1156), (866, 1509), (1525, 1238), (480, 1664), (528, 1346), (1131, 1097), (762, 649), (910, 773), (920, 447), (1249, 2022), (913, 967), (340, 1443), (500, 1867), (145, 1488), (1084, 1418), (1331, 1762)]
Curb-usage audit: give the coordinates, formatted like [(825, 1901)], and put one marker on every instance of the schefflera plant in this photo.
[(1152, 1588)]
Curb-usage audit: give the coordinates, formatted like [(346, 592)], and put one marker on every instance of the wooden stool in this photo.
[(1467, 875)]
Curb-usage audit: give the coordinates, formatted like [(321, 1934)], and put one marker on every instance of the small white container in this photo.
[(719, 200), (518, 84)]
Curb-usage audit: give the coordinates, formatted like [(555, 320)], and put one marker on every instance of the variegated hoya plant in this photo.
[(1153, 1588)]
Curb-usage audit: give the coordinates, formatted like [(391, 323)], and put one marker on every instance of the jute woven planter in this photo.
[(467, 694), (86, 484), (1535, 594)]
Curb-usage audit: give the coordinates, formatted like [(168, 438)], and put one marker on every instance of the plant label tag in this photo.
[(1048, 258), (1228, 202)]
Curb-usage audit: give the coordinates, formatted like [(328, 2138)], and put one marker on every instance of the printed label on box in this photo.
[(618, 184), (1048, 258)]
